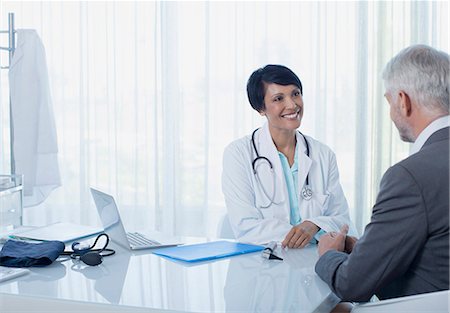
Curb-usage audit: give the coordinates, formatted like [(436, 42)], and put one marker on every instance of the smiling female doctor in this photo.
[(280, 185)]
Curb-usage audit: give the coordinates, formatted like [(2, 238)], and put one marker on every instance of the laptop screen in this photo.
[(110, 218)]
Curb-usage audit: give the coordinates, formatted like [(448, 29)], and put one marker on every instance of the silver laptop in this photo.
[(112, 224)]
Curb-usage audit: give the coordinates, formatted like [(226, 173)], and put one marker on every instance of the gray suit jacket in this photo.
[(405, 247)]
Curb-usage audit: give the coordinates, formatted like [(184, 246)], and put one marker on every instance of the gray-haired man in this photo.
[(405, 247)]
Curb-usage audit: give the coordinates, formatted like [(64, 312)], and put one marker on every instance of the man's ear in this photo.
[(262, 113), (405, 103)]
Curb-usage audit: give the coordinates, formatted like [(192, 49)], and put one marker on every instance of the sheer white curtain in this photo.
[(147, 95)]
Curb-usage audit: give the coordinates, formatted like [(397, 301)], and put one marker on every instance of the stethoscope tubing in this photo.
[(258, 157), (306, 191)]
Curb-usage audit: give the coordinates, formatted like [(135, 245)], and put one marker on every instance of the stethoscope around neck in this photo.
[(306, 192)]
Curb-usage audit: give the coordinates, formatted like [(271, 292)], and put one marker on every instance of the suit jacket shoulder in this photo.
[(405, 247)]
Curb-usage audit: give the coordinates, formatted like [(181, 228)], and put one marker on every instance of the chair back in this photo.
[(436, 302)]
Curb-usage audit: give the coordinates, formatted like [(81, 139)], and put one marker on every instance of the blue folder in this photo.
[(207, 251)]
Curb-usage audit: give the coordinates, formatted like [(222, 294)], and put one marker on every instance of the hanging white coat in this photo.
[(35, 141), (245, 199)]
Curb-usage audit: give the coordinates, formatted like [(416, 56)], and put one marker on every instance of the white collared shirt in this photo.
[(434, 126)]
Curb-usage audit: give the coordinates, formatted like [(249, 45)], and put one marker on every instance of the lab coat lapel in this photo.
[(267, 149), (304, 162)]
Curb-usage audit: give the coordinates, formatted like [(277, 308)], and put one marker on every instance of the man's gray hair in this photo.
[(423, 73)]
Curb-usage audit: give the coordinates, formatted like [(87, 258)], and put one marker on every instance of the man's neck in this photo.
[(422, 137), (423, 121)]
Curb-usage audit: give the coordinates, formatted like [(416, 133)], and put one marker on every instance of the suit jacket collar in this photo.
[(442, 134), (434, 126)]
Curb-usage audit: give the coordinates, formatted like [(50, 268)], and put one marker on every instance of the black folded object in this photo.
[(25, 254)]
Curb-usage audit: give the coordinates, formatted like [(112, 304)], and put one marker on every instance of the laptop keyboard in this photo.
[(138, 240)]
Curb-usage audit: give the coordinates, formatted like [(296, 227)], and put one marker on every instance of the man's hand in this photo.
[(333, 241), (350, 242), (300, 235)]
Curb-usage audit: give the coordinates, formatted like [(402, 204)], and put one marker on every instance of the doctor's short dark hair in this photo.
[(269, 74)]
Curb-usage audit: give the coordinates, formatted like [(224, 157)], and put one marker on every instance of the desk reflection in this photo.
[(32, 284), (244, 283), (109, 277), (255, 284)]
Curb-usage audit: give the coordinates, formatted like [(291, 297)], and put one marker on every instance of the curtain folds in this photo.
[(147, 95)]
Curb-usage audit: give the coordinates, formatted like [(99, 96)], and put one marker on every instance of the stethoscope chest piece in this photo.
[(307, 192)]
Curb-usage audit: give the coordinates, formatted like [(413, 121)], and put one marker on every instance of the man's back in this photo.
[(429, 270)]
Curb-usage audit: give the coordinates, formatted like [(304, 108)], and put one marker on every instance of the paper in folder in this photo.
[(207, 251)]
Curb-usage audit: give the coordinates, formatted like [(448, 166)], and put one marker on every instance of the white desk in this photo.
[(246, 283)]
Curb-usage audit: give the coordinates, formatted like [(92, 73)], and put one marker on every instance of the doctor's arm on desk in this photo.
[(332, 205), (300, 235)]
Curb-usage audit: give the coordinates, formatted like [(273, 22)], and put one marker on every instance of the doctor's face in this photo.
[(284, 106)]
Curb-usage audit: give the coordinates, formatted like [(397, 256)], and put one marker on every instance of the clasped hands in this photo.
[(337, 241), (300, 235)]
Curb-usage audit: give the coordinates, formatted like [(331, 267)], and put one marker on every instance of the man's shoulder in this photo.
[(434, 154), (428, 168)]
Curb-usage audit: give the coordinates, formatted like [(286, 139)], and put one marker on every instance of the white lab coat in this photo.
[(35, 143), (328, 207)]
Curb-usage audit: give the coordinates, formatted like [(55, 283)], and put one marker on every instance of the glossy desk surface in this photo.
[(245, 283)]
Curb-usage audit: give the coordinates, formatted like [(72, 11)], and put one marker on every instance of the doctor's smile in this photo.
[(283, 103), (292, 116)]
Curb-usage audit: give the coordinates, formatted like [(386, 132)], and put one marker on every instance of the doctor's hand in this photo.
[(333, 241), (300, 235)]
